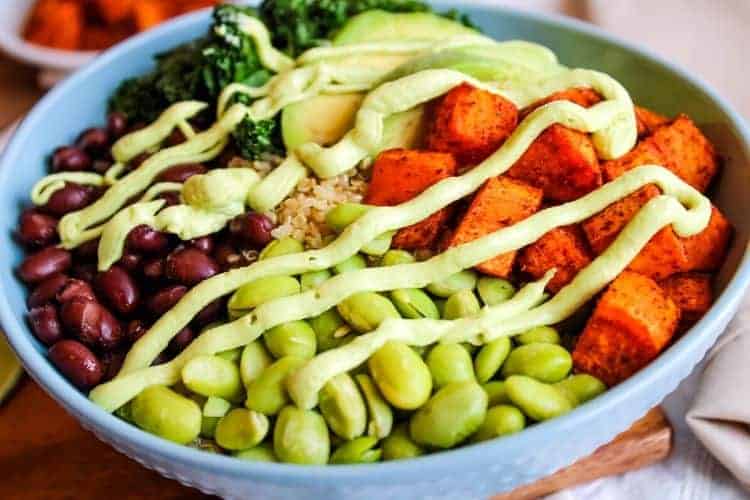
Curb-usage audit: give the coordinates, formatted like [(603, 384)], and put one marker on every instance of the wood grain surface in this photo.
[(45, 454)]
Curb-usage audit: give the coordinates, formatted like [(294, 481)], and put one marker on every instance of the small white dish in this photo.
[(13, 15)]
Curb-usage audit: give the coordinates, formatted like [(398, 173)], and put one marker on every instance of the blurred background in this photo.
[(705, 36)]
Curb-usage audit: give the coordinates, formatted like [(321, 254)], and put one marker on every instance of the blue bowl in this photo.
[(472, 471)]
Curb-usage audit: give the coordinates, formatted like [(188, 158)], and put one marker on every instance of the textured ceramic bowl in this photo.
[(469, 472)]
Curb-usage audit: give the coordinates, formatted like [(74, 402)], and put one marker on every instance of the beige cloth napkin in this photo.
[(720, 414)]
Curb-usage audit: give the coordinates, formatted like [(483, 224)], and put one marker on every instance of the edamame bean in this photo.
[(295, 338), (494, 291), (342, 215), (301, 437), (453, 414), (500, 421), (284, 246), (539, 335), (461, 304), (413, 303), (545, 362), (463, 280), (490, 358), (260, 291), (331, 330), (342, 407), (496, 394), (261, 453), (353, 263), (402, 377), (213, 409), (161, 411), (365, 311), (449, 363), (213, 376), (208, 426), (396, 257), (357, 451), (241, 429), (440, 303), (380, 245), (232, 355), (267, 393), (399, 445), (537, 400), (380, 421), (581, 388), (255, 359), (314, 279)]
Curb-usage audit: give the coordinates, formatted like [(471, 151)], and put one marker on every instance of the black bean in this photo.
[(77, 363), (45, 324), (36, 229), (70, 198), (119, 290), (44, 264), (252, 228), (46, 291), (70, 159), (92, 324), (190, 266)]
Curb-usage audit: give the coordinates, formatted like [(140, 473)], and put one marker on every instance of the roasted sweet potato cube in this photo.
[(399, 175), (114, 11), (679, 146), (56, 23), (662, 256), (149, 13), (501, 202), (561, 162), (648, 121), (632, 323), (564, 249), (471, 123), (583, 96), (706, 250), (692, 293)]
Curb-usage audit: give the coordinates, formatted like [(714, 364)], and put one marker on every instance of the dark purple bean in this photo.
[(70, 159), (101, 166), (112, 361), (87, 250), (171, 198), (36, 229), (117, 124), (175, 138), (44, 264), (147, 240), (161, 359), (226, 256), (180, 341), (252, 228), (70, 198), (92, 324), (205, 244), (165, 299), (181, 173), (135, 330), (77, 363), (136, 127), (209, 314), (130, 261), (45, 324), (84, 271), (119, 290), (46, 291), (153, 269), (75, 289), (94, 141), (138, 161), (190, 266)]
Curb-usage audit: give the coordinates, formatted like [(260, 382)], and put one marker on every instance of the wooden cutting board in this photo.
[(44, 453)]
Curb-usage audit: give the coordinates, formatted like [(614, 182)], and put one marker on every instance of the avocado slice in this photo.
[(379, 25)]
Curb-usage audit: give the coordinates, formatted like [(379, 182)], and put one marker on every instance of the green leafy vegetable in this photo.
[(298, 25), (253, 139)]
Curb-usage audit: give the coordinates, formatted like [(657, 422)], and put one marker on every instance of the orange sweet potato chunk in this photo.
[(114, 11), (692, 293), (56, 23), (564, 249), (561, 162), (632, 323), (149, 13), (679, 146), (648, 121), (706, 250), (471, 123), (500, 203), (399, 175), (662, 256), (583, 96)]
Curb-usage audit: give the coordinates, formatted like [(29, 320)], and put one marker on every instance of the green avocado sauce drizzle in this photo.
[(611, 123)]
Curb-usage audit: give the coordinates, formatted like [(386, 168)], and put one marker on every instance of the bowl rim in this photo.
[(406, 471)]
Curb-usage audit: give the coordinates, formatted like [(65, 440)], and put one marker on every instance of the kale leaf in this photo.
[(253, 139)]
